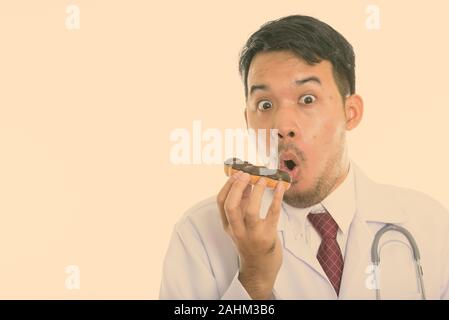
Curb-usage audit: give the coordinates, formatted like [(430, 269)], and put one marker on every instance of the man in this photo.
[(314, 240)]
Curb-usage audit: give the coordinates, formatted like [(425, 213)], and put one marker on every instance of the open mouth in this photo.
[(289, 162)]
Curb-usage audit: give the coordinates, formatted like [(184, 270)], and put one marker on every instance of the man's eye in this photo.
[(307, 99), (264, 105)]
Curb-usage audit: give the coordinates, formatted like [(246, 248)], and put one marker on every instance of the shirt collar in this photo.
[(341, 202), (378, 202)]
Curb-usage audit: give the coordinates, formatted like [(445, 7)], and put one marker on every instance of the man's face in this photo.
[(303, 102)]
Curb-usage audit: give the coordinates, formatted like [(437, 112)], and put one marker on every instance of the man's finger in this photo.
[(252, 211), (223, 194), (245, 196), (233, 202), (275, 207)]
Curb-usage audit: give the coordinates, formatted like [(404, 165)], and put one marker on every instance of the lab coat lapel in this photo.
[(354, 283), (298, 256), (374, 208)]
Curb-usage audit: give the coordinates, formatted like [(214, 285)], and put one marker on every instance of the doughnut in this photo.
[(272, 176)]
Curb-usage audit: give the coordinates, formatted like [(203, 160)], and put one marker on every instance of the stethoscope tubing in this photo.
[(375, 255)]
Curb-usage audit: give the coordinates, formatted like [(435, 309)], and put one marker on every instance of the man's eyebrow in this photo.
[(255, 87), (308, 79), (264, 87)]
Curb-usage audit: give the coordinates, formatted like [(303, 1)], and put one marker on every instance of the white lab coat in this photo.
[(202, 262)]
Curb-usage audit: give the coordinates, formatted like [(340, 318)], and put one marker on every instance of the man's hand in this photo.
[(256, 239)]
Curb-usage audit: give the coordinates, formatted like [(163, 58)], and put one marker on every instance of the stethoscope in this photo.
[(375, 256)]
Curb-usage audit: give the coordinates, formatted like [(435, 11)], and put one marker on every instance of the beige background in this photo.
[(85, 118)]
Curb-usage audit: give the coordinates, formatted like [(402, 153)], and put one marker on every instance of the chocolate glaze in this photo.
[(268, 173), (236, 163), (261, 171)]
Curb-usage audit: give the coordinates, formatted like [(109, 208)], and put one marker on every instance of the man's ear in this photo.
[(353, 111)]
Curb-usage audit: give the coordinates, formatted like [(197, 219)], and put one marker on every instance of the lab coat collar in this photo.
[(374, 203)]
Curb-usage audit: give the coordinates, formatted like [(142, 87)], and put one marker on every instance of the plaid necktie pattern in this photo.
[(329, 253)]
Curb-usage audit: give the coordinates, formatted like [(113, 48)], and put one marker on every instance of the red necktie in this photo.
[(329, 253)]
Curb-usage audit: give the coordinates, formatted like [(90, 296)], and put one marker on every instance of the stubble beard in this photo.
[(325, 183)]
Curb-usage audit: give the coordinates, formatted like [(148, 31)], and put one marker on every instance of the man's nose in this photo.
[(286, 125), (285, 132)]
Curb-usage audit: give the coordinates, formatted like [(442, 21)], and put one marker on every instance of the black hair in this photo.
[(311, 40)]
